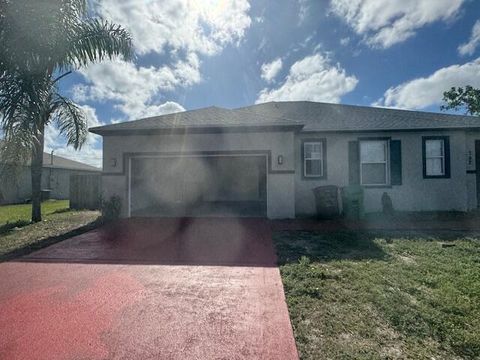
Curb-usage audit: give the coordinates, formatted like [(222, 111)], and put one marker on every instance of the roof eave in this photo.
[(49, 166), (443, 128), (197, 129)]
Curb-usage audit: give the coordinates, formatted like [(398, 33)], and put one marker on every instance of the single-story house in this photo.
[(265, 159), (55, 177)]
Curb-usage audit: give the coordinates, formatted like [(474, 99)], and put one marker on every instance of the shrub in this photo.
[(111, 208)]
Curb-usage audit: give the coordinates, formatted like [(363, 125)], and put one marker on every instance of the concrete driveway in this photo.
[(149, 289)]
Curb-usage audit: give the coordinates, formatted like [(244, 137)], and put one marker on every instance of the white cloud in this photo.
[(178, 32), (427, 91), (384, 23), (469, 47), (167, 107), (271, 69), (313, 78), (132, 87), (199, 26), (344, 41), (52, 138), (304, 8), (91, 151)]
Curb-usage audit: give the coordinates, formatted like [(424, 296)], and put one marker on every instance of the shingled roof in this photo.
[(338, 117), (60, 162), (305, 115), (211, 117)]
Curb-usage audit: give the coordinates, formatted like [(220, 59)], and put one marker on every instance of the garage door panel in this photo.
[(154, 182), (177, 185), (234, 179)]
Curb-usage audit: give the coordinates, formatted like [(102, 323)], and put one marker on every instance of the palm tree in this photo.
[(41, 42)]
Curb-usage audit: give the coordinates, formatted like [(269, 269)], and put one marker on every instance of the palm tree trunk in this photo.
[(36, 173)]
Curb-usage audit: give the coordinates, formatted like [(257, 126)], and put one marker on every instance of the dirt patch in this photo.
[(407, 259)]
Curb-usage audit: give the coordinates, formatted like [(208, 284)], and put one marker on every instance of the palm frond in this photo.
[(28, 33), (15, 151), (36, 35), (23, 99), (70, 120), (20, 130), (74, 9), (95, 40), (17, 137)]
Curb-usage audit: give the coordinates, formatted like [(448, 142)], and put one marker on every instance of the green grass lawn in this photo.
[(55, 227), (360, 296), (22, 212)]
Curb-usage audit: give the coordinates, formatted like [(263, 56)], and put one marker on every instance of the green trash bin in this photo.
[(352, 200)]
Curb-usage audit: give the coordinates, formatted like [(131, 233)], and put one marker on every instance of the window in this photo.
[(436, 157), (374, 156), (313, 159)]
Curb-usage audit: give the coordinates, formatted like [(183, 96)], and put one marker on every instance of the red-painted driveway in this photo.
[(149, 289)]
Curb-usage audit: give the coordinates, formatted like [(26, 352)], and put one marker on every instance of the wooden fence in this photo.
[(85, 191)]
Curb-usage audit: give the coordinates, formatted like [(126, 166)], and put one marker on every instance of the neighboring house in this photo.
[(265, 159), (55, 177)]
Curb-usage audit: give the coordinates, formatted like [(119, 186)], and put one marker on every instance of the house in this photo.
[(55, 177), (265, 159)]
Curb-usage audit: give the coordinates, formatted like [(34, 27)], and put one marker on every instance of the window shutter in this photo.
[(396, 162), (447, 156), (353, 163)]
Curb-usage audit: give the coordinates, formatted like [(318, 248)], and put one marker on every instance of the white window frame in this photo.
[(386, 162), (305, 158), (435, 157)]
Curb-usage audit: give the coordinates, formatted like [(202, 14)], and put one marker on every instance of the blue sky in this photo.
[(232, 53)]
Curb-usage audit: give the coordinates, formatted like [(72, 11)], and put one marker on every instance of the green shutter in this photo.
[(353, 163), (396, 162), (447, 156)]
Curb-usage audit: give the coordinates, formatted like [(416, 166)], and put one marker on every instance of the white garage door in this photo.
[(198, 186)]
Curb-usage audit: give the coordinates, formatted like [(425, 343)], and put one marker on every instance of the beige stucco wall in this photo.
[(415, 193), (290, 194), (471, 136), (280, 186), (471, 191), (281, 196)]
